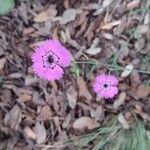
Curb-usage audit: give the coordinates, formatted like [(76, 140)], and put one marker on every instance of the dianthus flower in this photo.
[(106, 86), (49, 59)]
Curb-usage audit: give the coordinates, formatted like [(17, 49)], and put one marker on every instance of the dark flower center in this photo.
[(50, 59), (105, 85)]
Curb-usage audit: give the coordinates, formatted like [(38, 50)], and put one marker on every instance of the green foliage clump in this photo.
[(6, 6)]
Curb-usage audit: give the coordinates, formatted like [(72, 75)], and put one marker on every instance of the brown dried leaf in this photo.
[(142, 91), (68, 16), (83, 90), (25, 97), (127, 71), (108, 36), (16, 75), (110, 25), (54, 85), (63, 36), (123, 122), (72, 97), (94, 50), (45, 15), (133, 4), (29, 80), (147, 18), (46, 113), (73, 43), (13, 118), (80, 20), (57, 123), (40, 133), (106, 3), (28, 30), (36, 44), (29, 133), (135, 79), (85, 123), (120, 101), (143, 29), (6, 96), (82, 29), (65, 124), (147, 107), (89, 32), (2, 63), (98, 114)]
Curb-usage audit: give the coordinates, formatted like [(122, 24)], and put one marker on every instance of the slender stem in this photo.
[(110, 66)]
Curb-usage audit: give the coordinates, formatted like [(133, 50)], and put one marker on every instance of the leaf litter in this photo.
[(43, 112)]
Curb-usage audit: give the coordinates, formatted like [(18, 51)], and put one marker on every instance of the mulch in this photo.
[(35, 113)]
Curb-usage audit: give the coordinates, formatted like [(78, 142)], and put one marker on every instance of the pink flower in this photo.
[(106, 86), (49, 59)]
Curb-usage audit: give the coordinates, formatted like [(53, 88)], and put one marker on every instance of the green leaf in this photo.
[(6, 6)]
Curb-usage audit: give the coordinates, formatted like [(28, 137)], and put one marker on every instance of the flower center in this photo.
[(105, 85), (50, 59)]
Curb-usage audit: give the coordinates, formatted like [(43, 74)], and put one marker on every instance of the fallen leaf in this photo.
[(29, 80), (57, 123), (29, 133), (68, 16), (83, 90), (73, 43), (133, 4), (45, 15), (67, 120), (54, 85), (80, 20), (25, 97), (140, 44), (111, 25), (106, 3), (93, 51), (143, 29), (89, 32), (98, 114), (135, 79), (143, 91), (28, 30), (123, 122), (13, 118), (147, 18), (6, 96), (108, 36), (46, 113), (85, 123), (2, 63), (82, 28), (72, 97), (16, 75), (63, 36), (40, 132), (101, 8), (36, 44), (42, 29), (120, 101), (147, 107), (124, 51), (127, 71)]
